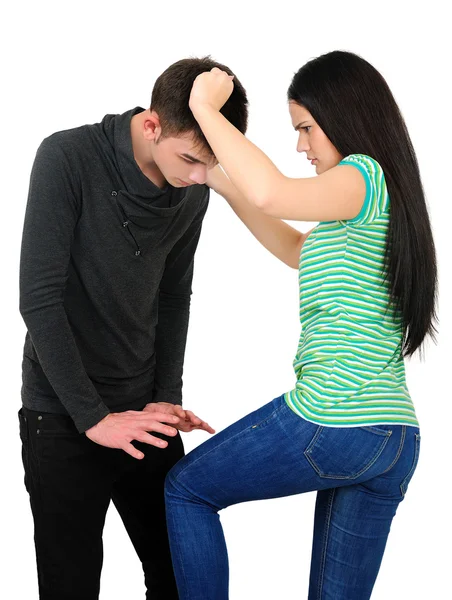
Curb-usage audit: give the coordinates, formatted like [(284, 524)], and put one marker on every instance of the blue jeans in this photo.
[(360, 474)]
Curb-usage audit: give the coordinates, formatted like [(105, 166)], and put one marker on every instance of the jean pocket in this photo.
[(55, 425), (346, 452), (57, 438), (23, 432), (406, 481)]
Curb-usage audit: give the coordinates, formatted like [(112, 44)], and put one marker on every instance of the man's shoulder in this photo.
[(72, 151), (70, 141), (84, 139)]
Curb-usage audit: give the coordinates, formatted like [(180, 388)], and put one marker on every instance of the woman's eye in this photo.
[(307, 128)]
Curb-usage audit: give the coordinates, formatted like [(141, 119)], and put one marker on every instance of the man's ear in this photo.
[(152, 129)]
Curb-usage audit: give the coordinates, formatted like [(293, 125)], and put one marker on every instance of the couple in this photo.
[(112, 223)]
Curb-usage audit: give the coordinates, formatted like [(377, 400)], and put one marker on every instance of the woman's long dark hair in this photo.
[(353, 105)]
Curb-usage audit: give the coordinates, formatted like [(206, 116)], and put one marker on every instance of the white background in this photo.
[(65, 64)]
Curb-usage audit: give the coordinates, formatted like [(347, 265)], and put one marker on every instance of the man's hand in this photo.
[(188, 420), (118, 430)]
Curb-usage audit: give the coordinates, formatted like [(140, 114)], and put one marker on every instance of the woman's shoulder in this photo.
[(367, 162), (370, 169), (376, 201)]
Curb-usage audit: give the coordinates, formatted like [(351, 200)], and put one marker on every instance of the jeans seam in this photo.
[(325, 544), (34, 467), (403, 487), (181, 562), (268, 418), (23, 433), (183, 489), (399, 451)]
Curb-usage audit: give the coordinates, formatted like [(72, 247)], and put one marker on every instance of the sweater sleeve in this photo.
[(50, 220), (173, 317)]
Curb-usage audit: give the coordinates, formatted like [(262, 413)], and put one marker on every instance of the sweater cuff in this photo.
[(83, 422), (167, 396)]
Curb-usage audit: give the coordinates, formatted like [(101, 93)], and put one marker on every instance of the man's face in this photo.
[(181, 161)]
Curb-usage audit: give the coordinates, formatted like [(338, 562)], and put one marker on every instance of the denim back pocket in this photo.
[(346, 452), (406, 481)]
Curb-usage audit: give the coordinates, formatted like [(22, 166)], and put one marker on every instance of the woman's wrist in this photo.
[(218, 181), (200, 110)]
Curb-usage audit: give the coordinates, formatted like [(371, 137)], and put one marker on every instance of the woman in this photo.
[(367, 277)]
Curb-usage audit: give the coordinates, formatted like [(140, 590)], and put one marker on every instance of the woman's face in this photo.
[(311, 139)]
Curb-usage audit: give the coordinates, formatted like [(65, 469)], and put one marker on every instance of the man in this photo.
[(112, 224)]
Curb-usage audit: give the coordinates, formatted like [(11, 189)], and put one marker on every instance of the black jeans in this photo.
[(71, 481)]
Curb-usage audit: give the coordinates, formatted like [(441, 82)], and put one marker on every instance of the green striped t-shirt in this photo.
[(349, 367)]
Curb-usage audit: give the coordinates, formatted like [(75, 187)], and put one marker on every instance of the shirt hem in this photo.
[(363, 423)]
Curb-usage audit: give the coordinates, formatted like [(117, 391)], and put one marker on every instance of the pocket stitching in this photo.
[(399, 451), (306, 453), (373, 429), (55, 427)]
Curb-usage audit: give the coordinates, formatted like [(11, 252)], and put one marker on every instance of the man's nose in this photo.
[(199, 175)]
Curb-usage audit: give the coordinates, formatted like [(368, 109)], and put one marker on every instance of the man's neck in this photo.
[(141, 151)]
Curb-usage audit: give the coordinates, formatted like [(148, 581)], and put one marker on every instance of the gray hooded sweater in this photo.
[(105, 276)]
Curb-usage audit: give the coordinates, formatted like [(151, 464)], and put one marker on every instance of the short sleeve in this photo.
[(376, 201)]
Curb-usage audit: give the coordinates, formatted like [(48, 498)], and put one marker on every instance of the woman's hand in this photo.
[(211, 89), (187, 420)]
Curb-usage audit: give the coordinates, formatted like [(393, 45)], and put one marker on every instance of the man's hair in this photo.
[(171, 94)]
